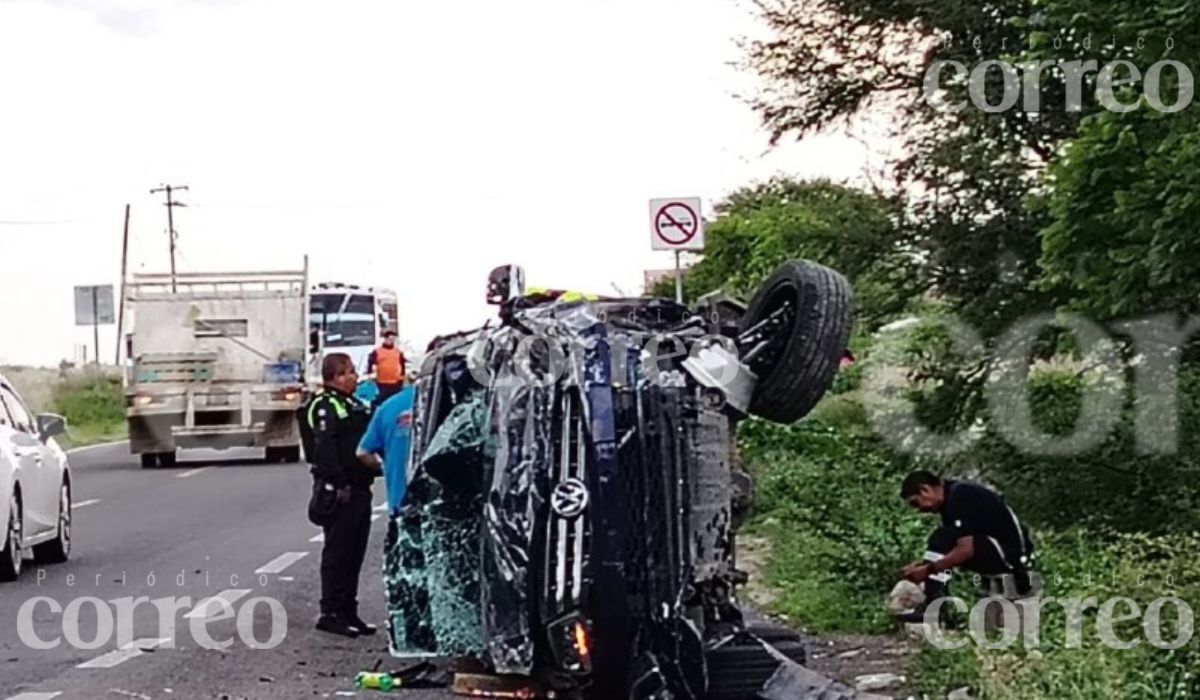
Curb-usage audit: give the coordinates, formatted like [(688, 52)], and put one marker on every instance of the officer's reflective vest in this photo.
[(338, 407)]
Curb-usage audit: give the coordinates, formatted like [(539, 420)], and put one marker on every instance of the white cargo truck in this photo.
[(216, 360)]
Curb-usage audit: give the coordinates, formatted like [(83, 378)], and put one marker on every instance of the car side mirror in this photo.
[(51, 425)]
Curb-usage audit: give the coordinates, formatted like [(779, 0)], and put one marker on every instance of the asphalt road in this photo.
[(221, 524)]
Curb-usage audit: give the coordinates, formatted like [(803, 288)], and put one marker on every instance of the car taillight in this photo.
[(581, 642), (571, 641), (288, 395)]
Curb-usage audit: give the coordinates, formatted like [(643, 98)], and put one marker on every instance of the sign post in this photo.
[(93, 307), (676, 225)]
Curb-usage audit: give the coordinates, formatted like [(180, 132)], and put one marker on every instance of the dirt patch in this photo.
[(847, 657), (753, 555)]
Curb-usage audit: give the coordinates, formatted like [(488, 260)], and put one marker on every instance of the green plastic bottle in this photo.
[(375, 681)]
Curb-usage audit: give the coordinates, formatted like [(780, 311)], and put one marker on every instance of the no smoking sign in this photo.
[(676, 224)]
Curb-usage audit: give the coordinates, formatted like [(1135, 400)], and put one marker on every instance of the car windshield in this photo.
[(341, 332)]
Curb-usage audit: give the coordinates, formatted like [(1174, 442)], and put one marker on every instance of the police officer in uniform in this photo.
[(332, 425)]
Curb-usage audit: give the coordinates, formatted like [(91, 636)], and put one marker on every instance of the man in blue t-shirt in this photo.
[(386, 443)]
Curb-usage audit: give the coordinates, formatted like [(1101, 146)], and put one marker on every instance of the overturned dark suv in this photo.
[(575, 492)]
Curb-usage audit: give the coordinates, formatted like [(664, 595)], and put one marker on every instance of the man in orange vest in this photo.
[(388, 365)]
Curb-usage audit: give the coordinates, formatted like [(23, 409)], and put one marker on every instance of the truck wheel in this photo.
[(167, 460), (794, 335), (149, 460)]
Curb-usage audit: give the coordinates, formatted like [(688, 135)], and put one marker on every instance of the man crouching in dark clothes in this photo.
[(979, 532)]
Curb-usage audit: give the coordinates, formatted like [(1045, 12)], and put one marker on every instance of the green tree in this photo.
[(759, 227), (1126, 193), (967, 174)]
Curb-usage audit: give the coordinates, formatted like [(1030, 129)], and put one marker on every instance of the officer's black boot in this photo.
[(357, 624), (336, 624)]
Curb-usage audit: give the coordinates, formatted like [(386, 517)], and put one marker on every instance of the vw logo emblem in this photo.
[(570, 499)]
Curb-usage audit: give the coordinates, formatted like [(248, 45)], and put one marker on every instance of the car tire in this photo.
[(11, 556), (739, 669), (58, 550), (149, 460), (797, 365), (167, 460)]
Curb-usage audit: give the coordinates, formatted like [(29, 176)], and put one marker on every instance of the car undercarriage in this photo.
[(575, 492)]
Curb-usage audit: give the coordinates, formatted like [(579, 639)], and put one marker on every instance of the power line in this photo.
[(170, 204)]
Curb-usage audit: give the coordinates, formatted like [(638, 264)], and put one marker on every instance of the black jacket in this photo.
[(331, 426)]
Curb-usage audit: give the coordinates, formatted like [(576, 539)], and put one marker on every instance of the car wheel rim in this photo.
[(64, 520), (14, 535)]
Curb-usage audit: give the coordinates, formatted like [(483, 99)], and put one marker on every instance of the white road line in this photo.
[(85, 504), (209, 608), (376, 516), (36, 696), (129, 651), (85, 448), (287, 578), (380, 508), (190, 472), (319, 538), (281, 562)]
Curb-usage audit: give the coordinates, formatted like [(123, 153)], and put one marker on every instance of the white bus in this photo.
[(350, 318)]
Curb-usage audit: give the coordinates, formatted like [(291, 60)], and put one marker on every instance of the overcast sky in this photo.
[(408, 144)]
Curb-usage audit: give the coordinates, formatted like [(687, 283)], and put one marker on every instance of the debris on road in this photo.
[(422, 675), (877, 681), (794, 682), (494, 686)]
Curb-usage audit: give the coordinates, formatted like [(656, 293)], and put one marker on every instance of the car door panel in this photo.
[(39, 499), (8, 469)]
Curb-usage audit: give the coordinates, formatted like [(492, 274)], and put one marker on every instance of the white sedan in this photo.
[(35, 486)]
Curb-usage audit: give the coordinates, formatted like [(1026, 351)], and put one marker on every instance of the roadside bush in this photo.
[(1081, 565), (1111, 487), (1108, 523), (93, 405), (828, 499)]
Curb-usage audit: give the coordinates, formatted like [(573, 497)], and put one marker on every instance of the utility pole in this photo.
[(121, 299), (96, 322), (170, 204)]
